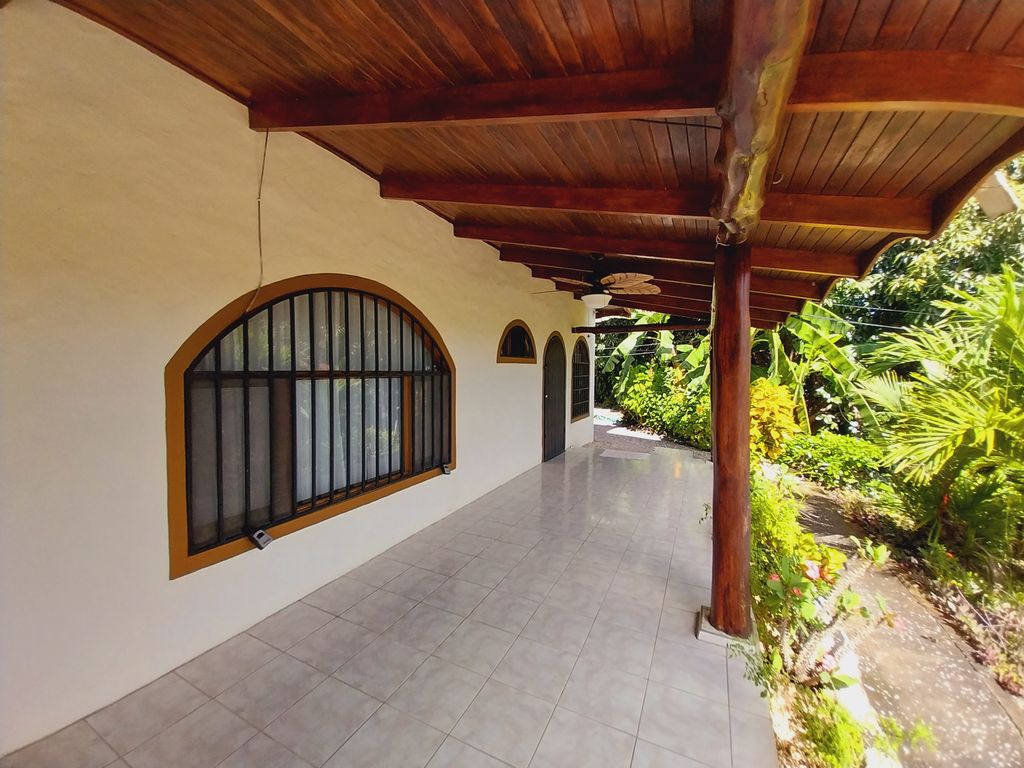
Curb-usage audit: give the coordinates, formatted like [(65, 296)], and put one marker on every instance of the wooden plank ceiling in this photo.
[(559, 129)]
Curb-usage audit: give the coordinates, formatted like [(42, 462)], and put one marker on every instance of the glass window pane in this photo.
[(320, 359), (282, 313), (369, 334), (396, 425), (338, 339), (383, 426), (340, 433), (417, 424), (355, 426), (258, 352), (370, 427), (282, 429), (355, 339), (407, 338), (428, 422), (208, 362), (301, 303), (323, 436), (436, 416), (383, 347), (232, 450), (202, 455), (446, 419), (232, 351), (259, 453), (396, 340), (303, 440)]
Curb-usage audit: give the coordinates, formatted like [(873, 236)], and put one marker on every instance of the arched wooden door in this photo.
[(554, 398)]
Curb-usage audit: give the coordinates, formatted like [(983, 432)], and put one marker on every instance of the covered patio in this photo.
[(380, 187), (549, 623)]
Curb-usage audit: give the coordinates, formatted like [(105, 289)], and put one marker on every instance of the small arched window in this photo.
[(320, 399), (580, 380), (517, 344)]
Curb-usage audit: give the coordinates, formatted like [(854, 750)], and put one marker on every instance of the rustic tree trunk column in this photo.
[(730, 415)]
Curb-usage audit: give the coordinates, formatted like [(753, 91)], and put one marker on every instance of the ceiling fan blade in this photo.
[(622, 279), (640, 289), (538, 293), (571, 281)]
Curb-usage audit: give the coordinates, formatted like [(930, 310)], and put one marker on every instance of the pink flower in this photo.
[(797, 591), (774, 577), (811, 570)]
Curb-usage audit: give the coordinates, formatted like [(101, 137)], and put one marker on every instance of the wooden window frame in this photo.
[(180, 561), (572, 381), (501, 343)]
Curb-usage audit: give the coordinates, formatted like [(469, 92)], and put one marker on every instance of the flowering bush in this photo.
[(771, 419)]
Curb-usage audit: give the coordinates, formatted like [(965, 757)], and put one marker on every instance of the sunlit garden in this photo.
[(902, 398)]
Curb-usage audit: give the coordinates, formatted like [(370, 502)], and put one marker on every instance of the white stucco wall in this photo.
[(128, 218)]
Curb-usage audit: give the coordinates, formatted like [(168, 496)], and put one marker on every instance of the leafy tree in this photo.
[(954, 429), (811, 355), (913, 274)]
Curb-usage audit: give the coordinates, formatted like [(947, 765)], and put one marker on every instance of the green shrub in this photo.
[(656, 399), (772, 424), (833, 460), (833, 737)]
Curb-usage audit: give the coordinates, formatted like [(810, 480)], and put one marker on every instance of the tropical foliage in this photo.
[(834, 460), (953, 426), (911, 275)]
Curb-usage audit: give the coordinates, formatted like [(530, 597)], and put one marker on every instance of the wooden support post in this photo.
[(730, 452)]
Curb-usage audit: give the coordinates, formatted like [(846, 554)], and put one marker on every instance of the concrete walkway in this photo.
[(921, 670)]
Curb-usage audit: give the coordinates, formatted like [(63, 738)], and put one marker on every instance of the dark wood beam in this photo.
[(870, 213), (952, 81), (611, 312), (668, 304), (730, 446), (613, 95), (833, 264), (670, 290), (598, 330), (768, 38), (859, 81), (661, 270), (702, 316), (952, 199)]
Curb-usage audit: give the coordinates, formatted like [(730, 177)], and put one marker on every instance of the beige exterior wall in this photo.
[(128, 219)]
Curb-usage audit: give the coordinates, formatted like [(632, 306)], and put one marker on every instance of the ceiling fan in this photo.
[(602, 286)]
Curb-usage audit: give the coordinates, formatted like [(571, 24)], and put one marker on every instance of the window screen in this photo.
[(580, 380), (517, 344), (316, 397)]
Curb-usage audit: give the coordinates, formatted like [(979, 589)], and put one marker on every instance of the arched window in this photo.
[(517, 344), (580, 380), (328, 394)]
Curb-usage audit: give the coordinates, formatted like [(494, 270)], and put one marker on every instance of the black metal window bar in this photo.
[(580, 380), (316, 397)]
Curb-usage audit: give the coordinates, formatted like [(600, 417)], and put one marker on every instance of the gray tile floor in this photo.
[(549, 624)]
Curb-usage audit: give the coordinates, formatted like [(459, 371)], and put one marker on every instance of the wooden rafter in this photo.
[(909, 80), (912, 216), (669, 271), (673, 290), (768, 38), (835, 264), (697, 313), (598, 330), (614, 95), (863, 80)]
